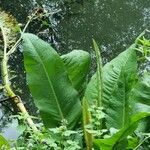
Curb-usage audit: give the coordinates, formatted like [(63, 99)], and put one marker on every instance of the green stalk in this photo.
[(86, 115), (17, 100), (99, 74), (12, 50), (13, 96), (138, 146)]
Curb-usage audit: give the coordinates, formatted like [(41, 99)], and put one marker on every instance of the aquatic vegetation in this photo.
[(102, 114), (51, 96)]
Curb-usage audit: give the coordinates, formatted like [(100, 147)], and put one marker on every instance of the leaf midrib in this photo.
[(49, 81), (124, 108), (123, 118)]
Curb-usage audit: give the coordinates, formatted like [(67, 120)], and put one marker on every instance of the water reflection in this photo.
[(18, 8), (114, 24)]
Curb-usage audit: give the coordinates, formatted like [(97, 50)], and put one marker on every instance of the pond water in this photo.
[(114, 24)]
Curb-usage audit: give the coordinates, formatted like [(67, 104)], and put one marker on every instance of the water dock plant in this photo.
[(102, 115)]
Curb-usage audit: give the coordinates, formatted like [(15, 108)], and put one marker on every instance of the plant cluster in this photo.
[(55, 138), (102, 115)]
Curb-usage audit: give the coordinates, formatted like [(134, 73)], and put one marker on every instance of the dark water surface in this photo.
[(114, 24)]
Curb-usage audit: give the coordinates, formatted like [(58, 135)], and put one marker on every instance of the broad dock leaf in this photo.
[(140, 95), (49, 83), (118, 77), (140, 100)]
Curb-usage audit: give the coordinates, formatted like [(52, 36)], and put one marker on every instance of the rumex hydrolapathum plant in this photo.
[(56, 82), (116, 82)]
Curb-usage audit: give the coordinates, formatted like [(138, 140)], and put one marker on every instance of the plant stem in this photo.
[(12, 50), (13, 96), (99, 74), (17, 100), (141, 143), (14, 47), (86, 116)]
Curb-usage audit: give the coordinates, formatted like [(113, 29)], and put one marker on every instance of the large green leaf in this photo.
[(49, 83), (118, 77), (77, 63), (4, 144), (113, 143), (140, 100), (140, 95)]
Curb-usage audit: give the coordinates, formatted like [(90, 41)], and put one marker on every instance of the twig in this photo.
[(14, 47), (12, 50)]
